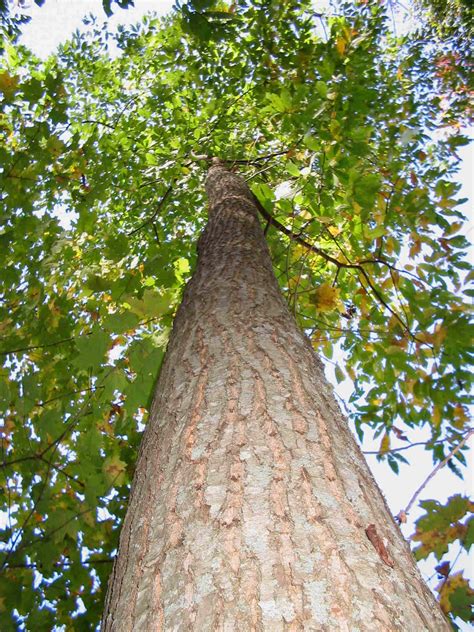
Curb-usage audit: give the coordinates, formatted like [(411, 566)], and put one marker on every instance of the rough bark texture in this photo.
[(251, 499)]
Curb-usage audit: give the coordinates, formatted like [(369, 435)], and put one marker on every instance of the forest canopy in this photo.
[(348, 135)]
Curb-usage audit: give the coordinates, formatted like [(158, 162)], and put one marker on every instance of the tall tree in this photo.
[(332, 122), (252, 507)]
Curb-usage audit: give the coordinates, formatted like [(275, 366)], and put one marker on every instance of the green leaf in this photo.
[(97, 283), (321, 89), (462, 602), (115, 471), (393, 464), (116, 247), (469, 537), (119, 322), (339, 373), (152, 304), (91, 349), (365, 189), (106, 5)]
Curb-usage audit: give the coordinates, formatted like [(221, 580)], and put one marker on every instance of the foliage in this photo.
[(448, 17), (11, 23), (348, 139), (437, 529), (122, 4), (446, 29)]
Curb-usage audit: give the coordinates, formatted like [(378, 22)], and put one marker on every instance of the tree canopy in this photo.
[(348, 135)]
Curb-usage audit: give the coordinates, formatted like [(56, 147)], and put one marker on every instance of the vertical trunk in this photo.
[(251, 501)]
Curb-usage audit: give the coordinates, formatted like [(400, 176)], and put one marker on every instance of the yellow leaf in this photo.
[(88, 518), (385, 444), (460, 416), (55, 314), (439, 335), (114, 470), (8, 84), (334, 230), (298, 252), (75, 172), (469, 277), (454, 228), (424, 336), (407, 386), (341, 45), (379, 216), (415, 247), (104, 424), (318, 339), (387, 284), (35, 355), (9, 425), (326, 298), (5, 325), (293, 282), (55, 146), (448, 586), (436, 418), (325, 219)]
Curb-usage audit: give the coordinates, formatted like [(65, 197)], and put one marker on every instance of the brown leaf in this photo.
[(443, 569), (400, 434)]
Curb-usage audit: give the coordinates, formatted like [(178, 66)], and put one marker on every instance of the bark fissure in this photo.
[(251, 499)]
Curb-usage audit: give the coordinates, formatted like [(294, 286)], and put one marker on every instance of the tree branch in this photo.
[(436, 470), (286, 231), (406, 447), (155, 212), (33, 347), (340, 264)]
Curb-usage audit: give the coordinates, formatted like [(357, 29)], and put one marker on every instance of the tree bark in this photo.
[(252, 507)]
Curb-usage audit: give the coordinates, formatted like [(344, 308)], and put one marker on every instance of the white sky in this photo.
[(51, 25)]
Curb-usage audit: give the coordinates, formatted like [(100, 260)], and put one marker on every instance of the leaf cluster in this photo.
[(436, 530)]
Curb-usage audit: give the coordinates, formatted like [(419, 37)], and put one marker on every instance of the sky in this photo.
[(51, 25)]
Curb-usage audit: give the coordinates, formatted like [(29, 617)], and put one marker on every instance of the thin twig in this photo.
[(407, 447), (50, 344), (64, 564), (257, 173), (380, 298), (333, 260), (440, 465), (155, 212), (294, 237)]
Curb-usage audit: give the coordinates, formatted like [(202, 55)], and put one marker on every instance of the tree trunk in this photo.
[(252, 507)]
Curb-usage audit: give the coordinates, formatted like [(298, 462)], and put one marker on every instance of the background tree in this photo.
[(332, 123), (450, 18)]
